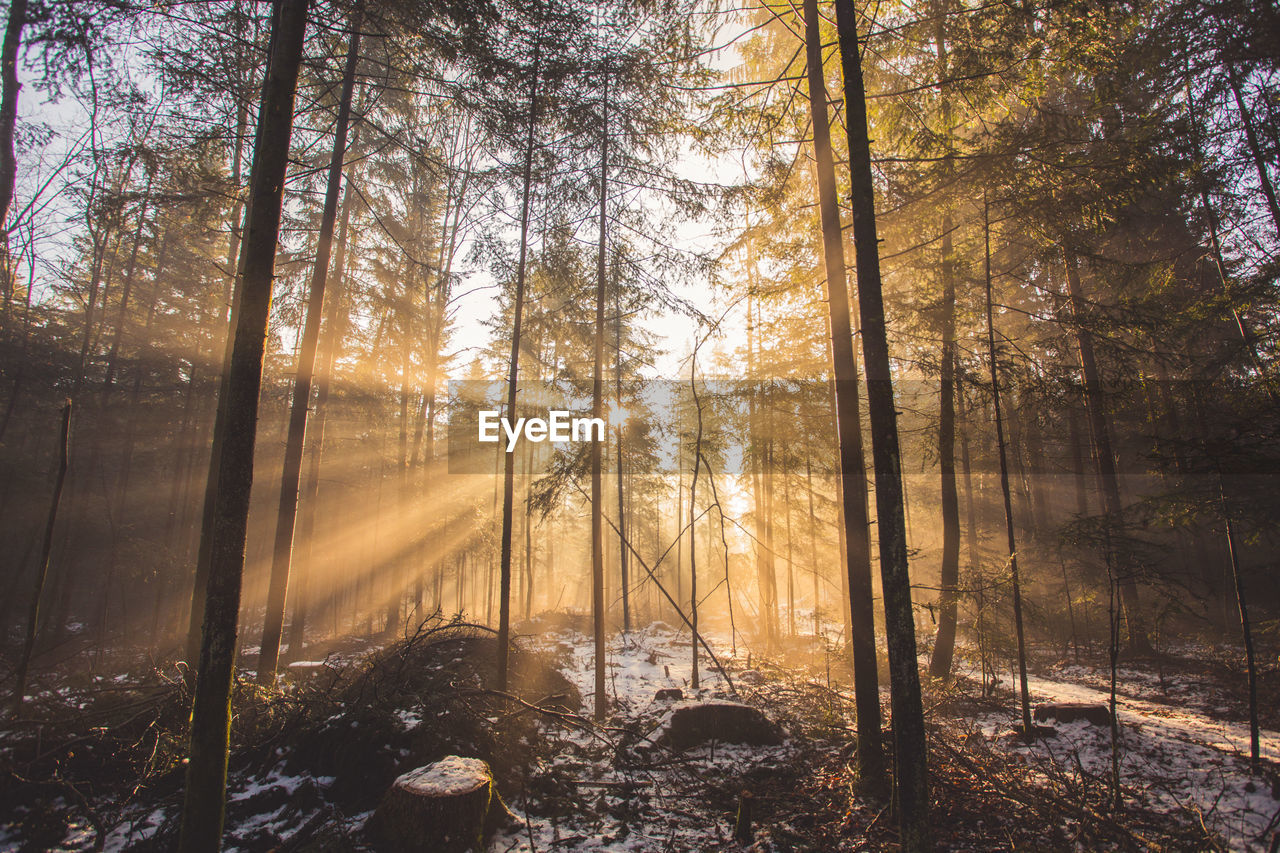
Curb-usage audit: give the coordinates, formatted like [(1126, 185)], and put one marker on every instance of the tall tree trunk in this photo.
[(679, 516), (791, 571), (204, 797), (1095, 406), (694, 681), (949, 574), (966, 470), (1024, 693), (1246, 628), (910, 755), (513, 378), (238, 223), (42, 570), (295, 442), (813, 544), (949, 577), (9, 87), (622, 545), (597, 411), (764, 565), (401, 566), (125, 292), (334, 322), (770, 554), (846, 600), (526, 528)]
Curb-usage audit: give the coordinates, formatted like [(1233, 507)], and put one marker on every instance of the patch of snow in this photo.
[(273, 780), (448, 777), (641, 807), (1174, 759), (409, 718)]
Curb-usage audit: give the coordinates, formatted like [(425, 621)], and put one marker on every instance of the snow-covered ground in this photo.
[(1174, 755), (608, 788), (638, 805), (1178, 754)]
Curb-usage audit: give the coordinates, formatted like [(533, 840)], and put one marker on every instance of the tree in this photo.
[(949, 575), (910, 758), (1015, 582), (1095, 408), (235, 433), (853, 478), (33, 612), (513, 377), (273, 626), (9, 87), (597, 411)]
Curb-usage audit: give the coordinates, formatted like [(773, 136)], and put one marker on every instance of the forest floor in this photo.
[(102, 769)]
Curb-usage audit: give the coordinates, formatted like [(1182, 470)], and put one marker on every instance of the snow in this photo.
[(274, 779), (639, 664), (409, 718), (1181, 755), (637, 807), (451, 776), (1174, 758)]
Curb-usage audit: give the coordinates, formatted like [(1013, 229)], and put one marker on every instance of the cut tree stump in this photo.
[(447, 806), (694, 723), (1069, 712), (742, 832)]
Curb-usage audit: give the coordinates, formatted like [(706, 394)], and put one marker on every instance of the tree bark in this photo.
[(204, 797), (910, 754), (764, 563), (693, 519), (949, 574), (238, 223), (791, 572), (513, 378), (1095, 406), (125, 292), (853, 472), (1245, 627), (9, 88), (622, 547), (1024, 693), (813, 543), (295, 442), (333, 322), (597, 411), (42, 571)]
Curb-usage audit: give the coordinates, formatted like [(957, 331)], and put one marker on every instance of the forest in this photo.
[(640, 425)]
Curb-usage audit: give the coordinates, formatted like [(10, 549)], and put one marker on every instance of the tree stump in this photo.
[(694, 723), (1069, 712), (742, 832), (443, 807)]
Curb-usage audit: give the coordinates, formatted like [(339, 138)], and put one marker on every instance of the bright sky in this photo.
[(58, 219), (674, 332)]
